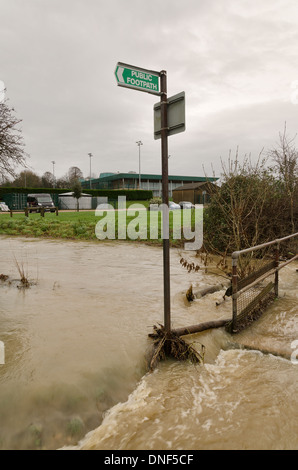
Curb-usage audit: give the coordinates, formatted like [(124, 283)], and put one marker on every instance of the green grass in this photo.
[(71, 225), (81, 225)]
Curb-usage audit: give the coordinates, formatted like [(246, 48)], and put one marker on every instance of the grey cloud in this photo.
[(234, 60)]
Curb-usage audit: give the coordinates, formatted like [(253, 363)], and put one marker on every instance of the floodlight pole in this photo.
[(165, 200), (90, 156), (54, 181), (139, 143)]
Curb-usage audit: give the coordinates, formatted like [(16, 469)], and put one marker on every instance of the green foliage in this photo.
[(75, 427), (130, 194), (249, 208), (155, 200), (22, 190), (77, 190)]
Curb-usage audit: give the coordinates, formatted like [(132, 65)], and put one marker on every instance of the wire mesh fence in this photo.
[(255, 278)]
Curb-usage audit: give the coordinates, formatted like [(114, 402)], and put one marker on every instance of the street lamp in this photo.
[(54, 173), (139, 143), (90, 155)]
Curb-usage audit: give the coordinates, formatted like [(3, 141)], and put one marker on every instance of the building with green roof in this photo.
[(149, 182)]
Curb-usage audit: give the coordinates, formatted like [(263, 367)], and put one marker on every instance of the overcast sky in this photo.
[(236, 60)]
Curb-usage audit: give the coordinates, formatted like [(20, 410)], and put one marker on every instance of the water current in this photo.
[(74, 375)]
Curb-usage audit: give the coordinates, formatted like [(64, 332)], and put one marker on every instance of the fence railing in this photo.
[(255, 277)]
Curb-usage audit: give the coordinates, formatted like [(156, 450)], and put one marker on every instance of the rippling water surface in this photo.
[(74, 373)]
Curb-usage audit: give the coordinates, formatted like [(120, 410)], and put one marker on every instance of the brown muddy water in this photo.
[(74, 375)]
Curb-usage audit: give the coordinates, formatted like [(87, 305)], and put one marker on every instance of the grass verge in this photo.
[(82, 225)]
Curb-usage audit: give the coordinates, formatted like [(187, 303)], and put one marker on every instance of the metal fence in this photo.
[(18, 201), (255, 278)]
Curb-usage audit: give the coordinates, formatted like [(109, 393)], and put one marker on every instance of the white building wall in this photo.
[(69, 202)]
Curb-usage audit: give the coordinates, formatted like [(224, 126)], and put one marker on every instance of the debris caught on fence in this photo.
[(171, 345), (191, 295)]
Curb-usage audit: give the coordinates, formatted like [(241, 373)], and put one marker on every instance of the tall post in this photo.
[(139, 143), (54, 180), (276, 259), (165, 200), (90, 156), (234, 293)]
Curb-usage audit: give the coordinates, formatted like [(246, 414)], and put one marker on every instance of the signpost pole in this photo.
[(153, 82), (165, 200)]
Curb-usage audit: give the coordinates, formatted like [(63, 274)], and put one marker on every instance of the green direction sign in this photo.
[(139, 79)]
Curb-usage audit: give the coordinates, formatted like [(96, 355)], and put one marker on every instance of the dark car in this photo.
[(36, 202)]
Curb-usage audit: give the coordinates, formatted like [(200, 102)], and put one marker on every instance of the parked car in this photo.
[(35, 202), (173, 206), (3, 207), (186, 205), (158, 207)]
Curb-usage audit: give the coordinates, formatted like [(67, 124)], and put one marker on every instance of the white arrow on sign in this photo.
[(120, 74)]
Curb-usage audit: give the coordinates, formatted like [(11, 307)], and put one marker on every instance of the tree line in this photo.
[(29, 179), (254, 202), (13, 156)]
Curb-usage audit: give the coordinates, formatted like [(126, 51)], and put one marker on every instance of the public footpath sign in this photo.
[(129, 76), (155, 83)]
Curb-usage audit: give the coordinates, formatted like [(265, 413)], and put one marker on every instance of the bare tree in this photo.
[(48, 180), (285, 157), (247, 209), (63, 182), (74, 174), (12, 151)]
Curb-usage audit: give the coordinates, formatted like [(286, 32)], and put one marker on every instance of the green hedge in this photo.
[(130, 194), (9, 190)]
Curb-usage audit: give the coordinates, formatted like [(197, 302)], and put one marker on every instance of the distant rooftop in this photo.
[(197, 185), (148, 176)]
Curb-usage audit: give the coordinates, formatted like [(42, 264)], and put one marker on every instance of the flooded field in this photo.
[(75, 343)]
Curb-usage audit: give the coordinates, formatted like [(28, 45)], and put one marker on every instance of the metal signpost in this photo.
[(165, 200), (153, 82), (176, 115)]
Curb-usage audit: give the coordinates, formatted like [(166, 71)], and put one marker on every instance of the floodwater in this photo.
[(74, 375)]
